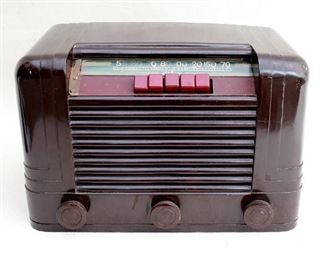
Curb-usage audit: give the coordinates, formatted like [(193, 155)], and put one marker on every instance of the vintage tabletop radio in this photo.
[(162, 127)]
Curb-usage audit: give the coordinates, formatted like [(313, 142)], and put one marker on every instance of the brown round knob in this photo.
[(258, 214), (72, 215), (165, 215)]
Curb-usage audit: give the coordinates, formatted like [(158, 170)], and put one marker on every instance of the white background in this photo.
[(301, 23)]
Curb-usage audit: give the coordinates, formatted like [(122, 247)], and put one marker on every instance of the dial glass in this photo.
[(144, 66)]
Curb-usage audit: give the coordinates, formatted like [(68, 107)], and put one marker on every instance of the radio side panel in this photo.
[(280, 116), (41, 90)]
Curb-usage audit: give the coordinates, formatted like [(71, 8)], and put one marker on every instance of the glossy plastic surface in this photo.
[(43, 90)]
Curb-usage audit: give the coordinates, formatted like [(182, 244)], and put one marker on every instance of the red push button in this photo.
[(156, 83), (171, 82), (202, 83), (187, 83), (140, 84)]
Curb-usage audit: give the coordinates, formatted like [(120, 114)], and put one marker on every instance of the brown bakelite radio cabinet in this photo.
[(162, 127)]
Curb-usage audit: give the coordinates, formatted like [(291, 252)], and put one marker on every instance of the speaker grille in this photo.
[(169, 144)]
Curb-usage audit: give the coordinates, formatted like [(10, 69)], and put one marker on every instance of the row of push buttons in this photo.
[(172, 83)]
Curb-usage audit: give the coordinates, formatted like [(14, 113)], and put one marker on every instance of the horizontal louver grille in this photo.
[(154, 147)]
